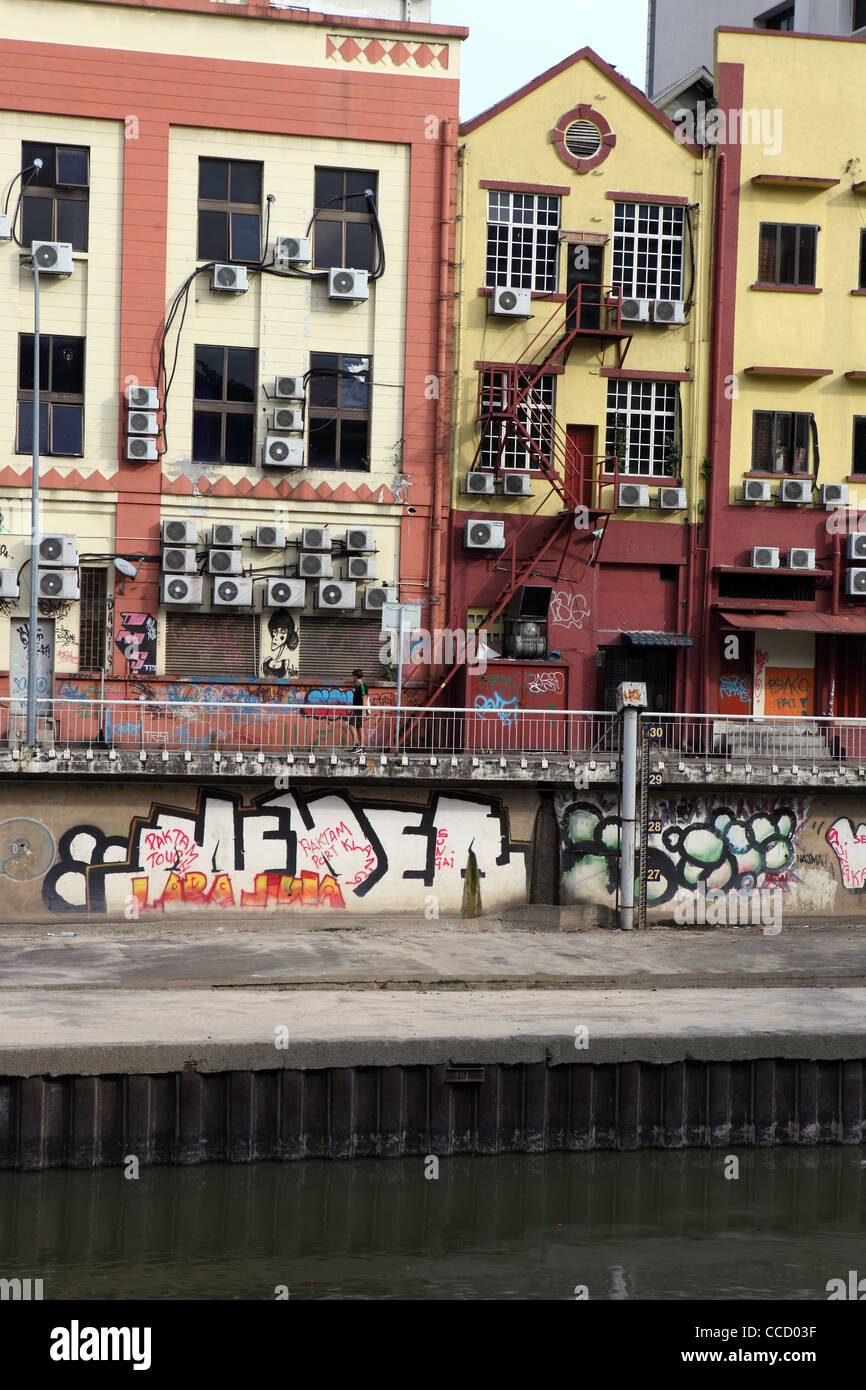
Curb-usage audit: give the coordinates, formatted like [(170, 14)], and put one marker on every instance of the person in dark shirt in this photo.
[(360, 705)]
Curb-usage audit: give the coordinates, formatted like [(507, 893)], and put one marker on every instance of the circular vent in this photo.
[(479, 534), (344, 282), (530, 630), (331, 593), (629, 494), (310, 564), (583, 139), (285, 385), (222, 535), (860, 583), (762, 557), (375, 598), (50, 549), (291, 248), (227, 590), (356, 540), (630, 308), (138, 422), (138, 448), (357, 569), (312, 539), (508, 300), (859, 547), (138, 396), (799, 559), (226, 276), (664, 311), (174, 560), (278, 450), (280, 592), (51, 584), (267, 535), (175, 531), (46, 256), (221, 561), (177, 588)]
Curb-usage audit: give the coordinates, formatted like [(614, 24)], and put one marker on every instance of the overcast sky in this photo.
[(512, 41)]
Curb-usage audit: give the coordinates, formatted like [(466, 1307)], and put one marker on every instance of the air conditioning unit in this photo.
[(360, 538), (672, 499), (834, 494), (142, 398), (347, 284), (797, 490), (177, 532), (177, 590), (479, 483), (765, 557), (283, 453), (270, 538), (376, 598), (57, 583), (9, 584), (855, 583), (179, 560), (484, 535), (285, 593), (361, 567), (756, 490), (57, 549), (229, 277), (633, 495), (857, 546), (516, 484), (799, 558), (292, 250), (315, 566), (225, 534), (668, 311), (288, 417), (507, 302), (233, 593), (141, 449), (315, 538), (290, 388), (52, 257), (634, 311), (223, 562), (141, 422), (329, 595)]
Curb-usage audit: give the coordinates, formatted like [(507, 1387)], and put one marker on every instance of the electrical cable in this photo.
[(32, 170), (380, 241), (688, 303)]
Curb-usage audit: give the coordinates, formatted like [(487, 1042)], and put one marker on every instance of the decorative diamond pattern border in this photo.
[(392, 53)]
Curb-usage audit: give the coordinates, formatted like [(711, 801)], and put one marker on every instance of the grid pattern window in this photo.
[(780, 441), (522, 240), (61, 395), (54, 200), (229, 210), (339, 411), (344, 230), (501, 442), (642, 429), (787, 254), (858, 460), (92, 620), (648, 250), (861, 279), (224, 409)]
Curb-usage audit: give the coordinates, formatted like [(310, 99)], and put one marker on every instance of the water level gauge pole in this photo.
[(630, 700), (32, 636)]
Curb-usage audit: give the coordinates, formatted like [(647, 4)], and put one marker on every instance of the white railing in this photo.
[(789, 741)]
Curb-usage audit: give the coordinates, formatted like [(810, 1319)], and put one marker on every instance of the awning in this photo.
[(658, 639), (845, 624)]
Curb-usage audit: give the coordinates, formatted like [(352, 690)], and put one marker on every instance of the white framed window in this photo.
[(642, 427), (535, 413), (522, 240), (648, 250)]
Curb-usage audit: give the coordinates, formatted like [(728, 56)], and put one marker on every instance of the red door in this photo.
[(579, 449)]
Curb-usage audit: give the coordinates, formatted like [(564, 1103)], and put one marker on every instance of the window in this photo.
[(858, 15), (91, 656), (339, 411), (208, 645), (54, 203), (522, 240), (344, 231), (861, 283), (780, 441), (858, 464), (61, 394), (535, 413), (782, 19), (229, 210), (786, 254), (648, 250), (223, 429), (642, 427)]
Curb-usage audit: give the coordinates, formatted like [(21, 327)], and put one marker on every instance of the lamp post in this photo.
[(32, 640)]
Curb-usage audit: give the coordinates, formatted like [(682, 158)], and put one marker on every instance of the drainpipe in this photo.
[(440, 455), (837, 564), (712, 424)]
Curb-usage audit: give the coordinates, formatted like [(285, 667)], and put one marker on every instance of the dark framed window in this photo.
[(344, 230), (858, 457), (858, 15), (782, 18), (861, 279), (54, 203), (92, 620), (229, 210), (781, 441), (339, 411), (61, 394), (224, 406), (787, 254)]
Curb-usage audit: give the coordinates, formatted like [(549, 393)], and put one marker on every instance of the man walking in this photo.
[(360, 707)]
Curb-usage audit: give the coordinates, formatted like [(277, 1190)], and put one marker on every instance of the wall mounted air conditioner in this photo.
[(672, 499), (177, 590), (834, 494), (668, 311), (285, 593), (375, 598), (233, 593), (857, 546), (142, 398), (797, 490), (478, 483), (633, 495), (484, 535), (57, 584), (57, 549), (756, 490), (292, 250), (283, 453), (229, 277), (287, 417), (361, 567), (315, 566), (799, 558), (344, 283), (315, 538), (9, 584), (634, 310), (855, 583), (765, 557), (141, 449), (223, 562), (53, 257), (270, 538), (329, 595), (177, 532), (289, 388), (516, 484), (360, 538), (178, 560), (141, 422), (225, 534), (508, 302)]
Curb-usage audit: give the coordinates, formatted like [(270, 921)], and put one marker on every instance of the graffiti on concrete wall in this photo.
[(291, 849), (849, 846), (568, 610), (136, 641)]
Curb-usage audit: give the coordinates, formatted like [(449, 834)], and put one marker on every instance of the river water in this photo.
[(624, 1225)]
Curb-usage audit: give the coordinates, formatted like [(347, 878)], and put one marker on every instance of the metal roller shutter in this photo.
[(332, 647), (208, 645)]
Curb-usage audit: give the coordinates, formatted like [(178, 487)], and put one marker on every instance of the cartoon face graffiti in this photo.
[(284, 639)]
